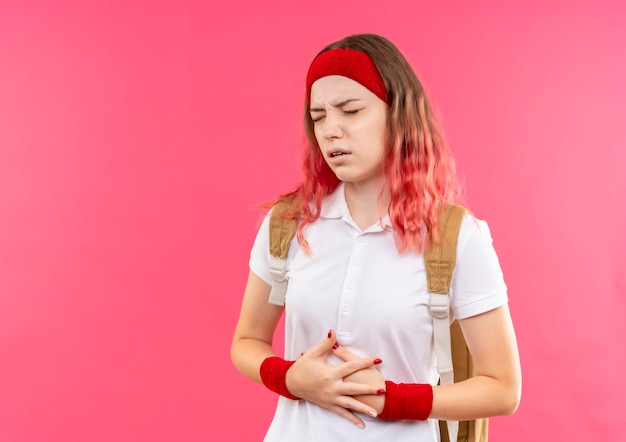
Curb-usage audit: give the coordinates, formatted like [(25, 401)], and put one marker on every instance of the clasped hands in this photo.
[(356, 385)]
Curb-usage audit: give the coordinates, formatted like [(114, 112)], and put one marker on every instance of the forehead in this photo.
[(335, 88)]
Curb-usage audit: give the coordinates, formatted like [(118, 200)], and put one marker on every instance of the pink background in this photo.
[(134, 136)]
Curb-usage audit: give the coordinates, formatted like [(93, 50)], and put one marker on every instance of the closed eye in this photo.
[(318, 117)]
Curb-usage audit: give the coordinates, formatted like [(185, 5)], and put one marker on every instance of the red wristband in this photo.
[(407, 401), (273, 373)]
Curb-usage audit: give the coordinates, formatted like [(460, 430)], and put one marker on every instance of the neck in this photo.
[(363, 202)]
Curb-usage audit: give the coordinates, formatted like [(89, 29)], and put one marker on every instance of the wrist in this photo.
[(407, 401), (273, 373)]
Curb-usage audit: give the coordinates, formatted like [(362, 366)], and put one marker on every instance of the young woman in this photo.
[(359, 362)]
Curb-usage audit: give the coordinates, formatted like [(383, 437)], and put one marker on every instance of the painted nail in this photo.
[(372, 413), (378, 361), (381, 391), (360, 425), (336, 346), (330, 334)]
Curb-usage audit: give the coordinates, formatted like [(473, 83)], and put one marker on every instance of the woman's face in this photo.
[(350, 124)]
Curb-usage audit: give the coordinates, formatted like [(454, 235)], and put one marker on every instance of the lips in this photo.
[(334, 153)]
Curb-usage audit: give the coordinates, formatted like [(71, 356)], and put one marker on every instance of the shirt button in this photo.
[(345, 308), (355, 262), (361, 239), (349, 286)]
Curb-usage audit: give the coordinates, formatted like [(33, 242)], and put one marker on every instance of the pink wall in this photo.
[(134, 136)]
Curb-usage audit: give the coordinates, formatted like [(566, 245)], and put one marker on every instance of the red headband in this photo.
[(356, 65)]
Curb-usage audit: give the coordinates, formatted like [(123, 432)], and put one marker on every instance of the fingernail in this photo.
[(378, 361), (360, 425), (372, 413), (330, 334), (336, 346), (381, 391)]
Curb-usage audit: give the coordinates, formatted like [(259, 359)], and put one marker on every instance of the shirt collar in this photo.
[(336, 206)]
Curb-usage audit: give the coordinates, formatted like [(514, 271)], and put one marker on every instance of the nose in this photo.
[(331, 128)]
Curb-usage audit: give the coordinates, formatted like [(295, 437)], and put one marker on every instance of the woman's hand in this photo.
[(313, 379), (369, 376)]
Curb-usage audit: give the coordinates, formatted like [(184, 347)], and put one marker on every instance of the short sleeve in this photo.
[(260, 253), (477, 281)]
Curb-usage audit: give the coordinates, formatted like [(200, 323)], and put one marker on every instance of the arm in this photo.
[(252, 341), (495, 388), (311, 377)]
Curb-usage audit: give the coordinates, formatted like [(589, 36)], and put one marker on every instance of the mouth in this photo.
[(338, 153)]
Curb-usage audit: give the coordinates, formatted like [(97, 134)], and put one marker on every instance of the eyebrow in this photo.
[(340, 104)]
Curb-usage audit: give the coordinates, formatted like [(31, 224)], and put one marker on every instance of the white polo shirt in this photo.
[(376, 299)]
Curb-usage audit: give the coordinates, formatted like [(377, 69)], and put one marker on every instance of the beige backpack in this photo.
[(454, 362)]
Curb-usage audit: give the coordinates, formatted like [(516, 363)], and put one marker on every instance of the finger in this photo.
[(357, 389), (347, 414), (344, 354), (347, 368), (323, 347), (347, 356), (350, 403)]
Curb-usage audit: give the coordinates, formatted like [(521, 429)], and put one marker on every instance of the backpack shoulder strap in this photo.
[(440, 259), (282, 231)]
